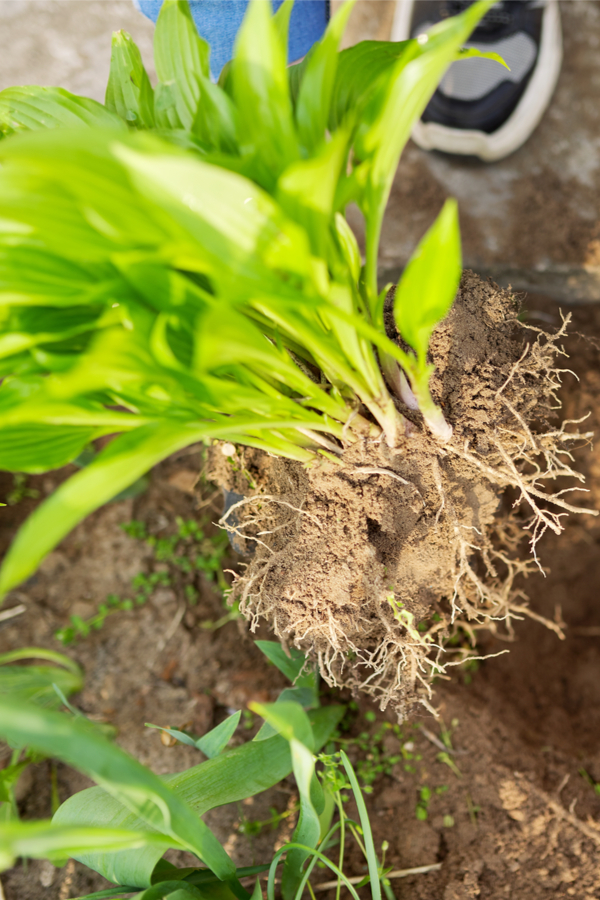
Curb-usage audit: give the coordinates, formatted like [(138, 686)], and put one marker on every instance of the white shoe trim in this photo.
[(524, 119)]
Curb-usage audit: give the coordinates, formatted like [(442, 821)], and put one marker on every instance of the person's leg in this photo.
[(480, 108), (218, 22)]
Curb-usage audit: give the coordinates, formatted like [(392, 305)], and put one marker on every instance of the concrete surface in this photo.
[(66, 42), (532, 220)]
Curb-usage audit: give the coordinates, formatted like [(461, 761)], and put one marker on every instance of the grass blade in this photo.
[(213, 743), (372, 861)]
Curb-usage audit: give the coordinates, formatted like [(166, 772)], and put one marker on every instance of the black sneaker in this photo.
[(481, 109)]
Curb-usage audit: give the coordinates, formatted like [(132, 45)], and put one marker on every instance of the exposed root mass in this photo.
[(372, 563)]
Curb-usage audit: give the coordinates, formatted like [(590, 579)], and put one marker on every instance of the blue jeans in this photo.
[(218, 22)]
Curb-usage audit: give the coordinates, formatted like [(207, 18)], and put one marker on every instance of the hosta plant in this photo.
[(176, 268)]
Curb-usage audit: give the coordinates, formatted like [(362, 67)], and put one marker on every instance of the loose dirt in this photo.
[(509, 826), (372, 563)]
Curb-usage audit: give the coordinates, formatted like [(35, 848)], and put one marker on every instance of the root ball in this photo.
[(372, 564)]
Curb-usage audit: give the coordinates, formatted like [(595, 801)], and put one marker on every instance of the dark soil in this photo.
[(523, 821)]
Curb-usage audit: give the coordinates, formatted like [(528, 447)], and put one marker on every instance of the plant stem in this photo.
[(384, 410), (373, 234), (397, 381), (432, 414)]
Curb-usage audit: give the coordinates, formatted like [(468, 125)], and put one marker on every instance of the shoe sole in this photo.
[(525, 117)]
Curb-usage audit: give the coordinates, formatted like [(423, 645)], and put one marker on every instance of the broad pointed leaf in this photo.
[(181, 56), (33, 108), (129, 93), (429, 282)]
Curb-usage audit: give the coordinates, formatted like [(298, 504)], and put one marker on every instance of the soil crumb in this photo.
[(373, 564)]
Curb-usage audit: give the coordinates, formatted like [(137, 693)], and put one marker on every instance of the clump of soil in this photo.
[(371, 564)]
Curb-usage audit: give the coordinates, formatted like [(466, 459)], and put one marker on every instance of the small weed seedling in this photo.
[(425, 795), (595, 785), (372, 748), (20, 491), (445, 756), (177, 561)]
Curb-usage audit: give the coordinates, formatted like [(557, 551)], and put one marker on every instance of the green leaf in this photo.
[(121, 463), (165, 108), (214, 742), (33, 108), (372, 861), (95, 207), (291, 666), (393, 110), (260, 90), (181, 59), (349, 246), (471, 52), (429, 282), (36, 683), (9, 776), (26, 327), (216, 121), (174, 732), (43, 840), (281, 21), (230, 777), (31, 275), (289, 719), (239, 228), (407, 91), (177, 890), (307, 188), (360, 70), (35, 447), (305, 697), (111, 894), (129, 93), (128, 781), (308, 829), (41, 653), (317, 85)]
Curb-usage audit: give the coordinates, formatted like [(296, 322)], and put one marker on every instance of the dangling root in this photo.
[(385, 567)]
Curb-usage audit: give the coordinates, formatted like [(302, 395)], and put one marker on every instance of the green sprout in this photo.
[(20, 491), (186, 553), (176, 266), (590, 781)]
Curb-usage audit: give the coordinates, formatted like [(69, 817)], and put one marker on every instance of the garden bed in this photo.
[(509, 825)]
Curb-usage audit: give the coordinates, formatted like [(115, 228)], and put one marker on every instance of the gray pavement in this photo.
[(66, 42), (532, 220)]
